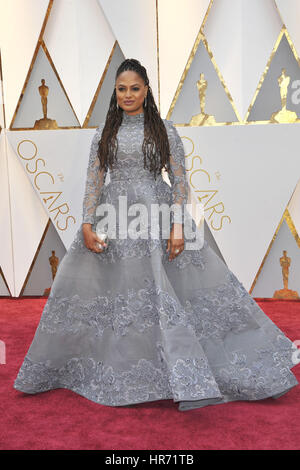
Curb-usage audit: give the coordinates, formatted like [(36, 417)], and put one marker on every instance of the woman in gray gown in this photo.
[(144, 318)]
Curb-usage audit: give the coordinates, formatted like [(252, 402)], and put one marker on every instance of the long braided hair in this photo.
[(155, 145)]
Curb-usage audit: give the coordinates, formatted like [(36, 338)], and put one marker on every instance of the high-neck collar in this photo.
[(132, 118)]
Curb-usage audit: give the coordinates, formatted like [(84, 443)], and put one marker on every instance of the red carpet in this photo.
[(63, 420)]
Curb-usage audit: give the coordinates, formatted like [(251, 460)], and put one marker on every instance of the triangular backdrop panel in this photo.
[(1, 99), (56, 168), (217, 103), (270, 278), (31, 108), (28, 217), (138, 18), (268, 98), (46, 263), (6, 251), (241, 34), (3, 287), (101, 105), (20, 27), (79, 31), (1, 114), (294, 208), (230, 169), (177, 32), (289, 11)]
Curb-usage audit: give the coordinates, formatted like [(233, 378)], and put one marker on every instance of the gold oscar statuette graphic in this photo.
[(202, 118), (53, 260), (45, 122), (285, 293), (284, 115)]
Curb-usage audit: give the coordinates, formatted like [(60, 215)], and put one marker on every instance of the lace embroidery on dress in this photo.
[(94, 180), (140, 309), (121, 249), (211, 313), (263, 377), (149, 380), (126, 169), (177, 175), (129, 167)]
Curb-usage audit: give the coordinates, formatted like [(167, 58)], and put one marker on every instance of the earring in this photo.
[(145, 102)]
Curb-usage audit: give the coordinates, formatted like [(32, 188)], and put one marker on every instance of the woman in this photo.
[(142, 318)]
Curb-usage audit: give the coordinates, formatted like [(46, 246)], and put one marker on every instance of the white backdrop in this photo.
[(244, 167)]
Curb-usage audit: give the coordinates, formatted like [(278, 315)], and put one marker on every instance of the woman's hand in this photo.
[(91, 240), (176, 241)]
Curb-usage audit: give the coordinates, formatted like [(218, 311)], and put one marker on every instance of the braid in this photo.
[(155, 146)]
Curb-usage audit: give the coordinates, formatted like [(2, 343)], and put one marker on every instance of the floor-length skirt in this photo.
[(128, 326)]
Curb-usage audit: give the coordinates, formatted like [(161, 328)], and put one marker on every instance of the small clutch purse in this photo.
[(103, 236)]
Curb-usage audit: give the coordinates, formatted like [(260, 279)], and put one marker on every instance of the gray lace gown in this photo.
[(128, 326)]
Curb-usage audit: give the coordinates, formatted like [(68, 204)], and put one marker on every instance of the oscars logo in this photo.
[(202, 118), (53, 200), (208, 198), (45, 122), (285, 293)]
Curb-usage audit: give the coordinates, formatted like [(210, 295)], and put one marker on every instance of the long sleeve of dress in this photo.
[(178, 177), (94, 180)]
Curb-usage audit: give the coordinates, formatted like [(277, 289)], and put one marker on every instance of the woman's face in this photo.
[(131, 92)]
